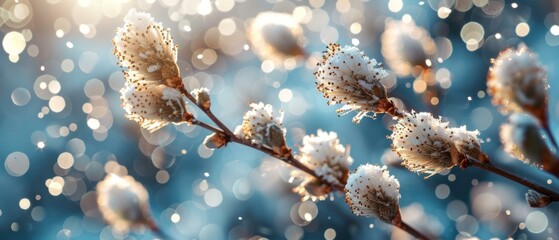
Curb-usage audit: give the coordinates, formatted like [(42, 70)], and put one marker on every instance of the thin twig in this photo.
[(297, 164), (157, 231), (494, 169), (289, 158), (224, 130), (487, 165), (397, 222), (206, 126), (208, 112)]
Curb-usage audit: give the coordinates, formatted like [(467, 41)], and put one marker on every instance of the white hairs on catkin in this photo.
[(146, 52), (329, 159), (372, 191), (347, 76), (518, 82), (148, 56), (153, 107), (259, 124), (123, 202), (428, 145)]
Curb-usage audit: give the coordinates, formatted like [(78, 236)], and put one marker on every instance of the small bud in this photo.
[(215, 141), (260, 123), (428, 145), (277, 140), (146, 51), (346, 76), (372, 191), (518, 82), (406, 47), (153, 107), (275, 37), (123, 202), (202, 96), (329, 159), (536, 199)]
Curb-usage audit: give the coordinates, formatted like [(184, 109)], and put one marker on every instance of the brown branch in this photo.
[(154, 228), (206, 126), (494, 169), (485, 164), (285, 153), (287, 157), (207, 111), (397, 222)]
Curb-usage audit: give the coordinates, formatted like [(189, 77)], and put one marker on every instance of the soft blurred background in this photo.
[(62, 126)]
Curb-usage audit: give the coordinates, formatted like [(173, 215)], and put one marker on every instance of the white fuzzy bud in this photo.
[(257, 123), (428, 145), (123, 202), (329, 159), (146, 51), (275, 37), (518, 82), (346, 76), (154, 107), (372, 191), (215, 141), (406, 47), (522, 139), (202, 97)]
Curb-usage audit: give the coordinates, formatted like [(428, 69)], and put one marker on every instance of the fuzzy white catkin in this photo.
[(372, 191), (425, 143), (275, 37), (406, 46), (123, 202), (522, 138), (153, 107), (257, 123), (146, 52), (346, 76), (517, 81), (202, 97), (329, 159), (467, 142)]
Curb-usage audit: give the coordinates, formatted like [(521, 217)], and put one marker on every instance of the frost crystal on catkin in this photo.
[(261, 126), (406, 47), (123, 202), (146, 51), (467, 142), (154, 107), (202, 97), (372, 191), (329, 159), (346, 76), (518, 82), (522, 138), (275, 37), (428, 145)]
